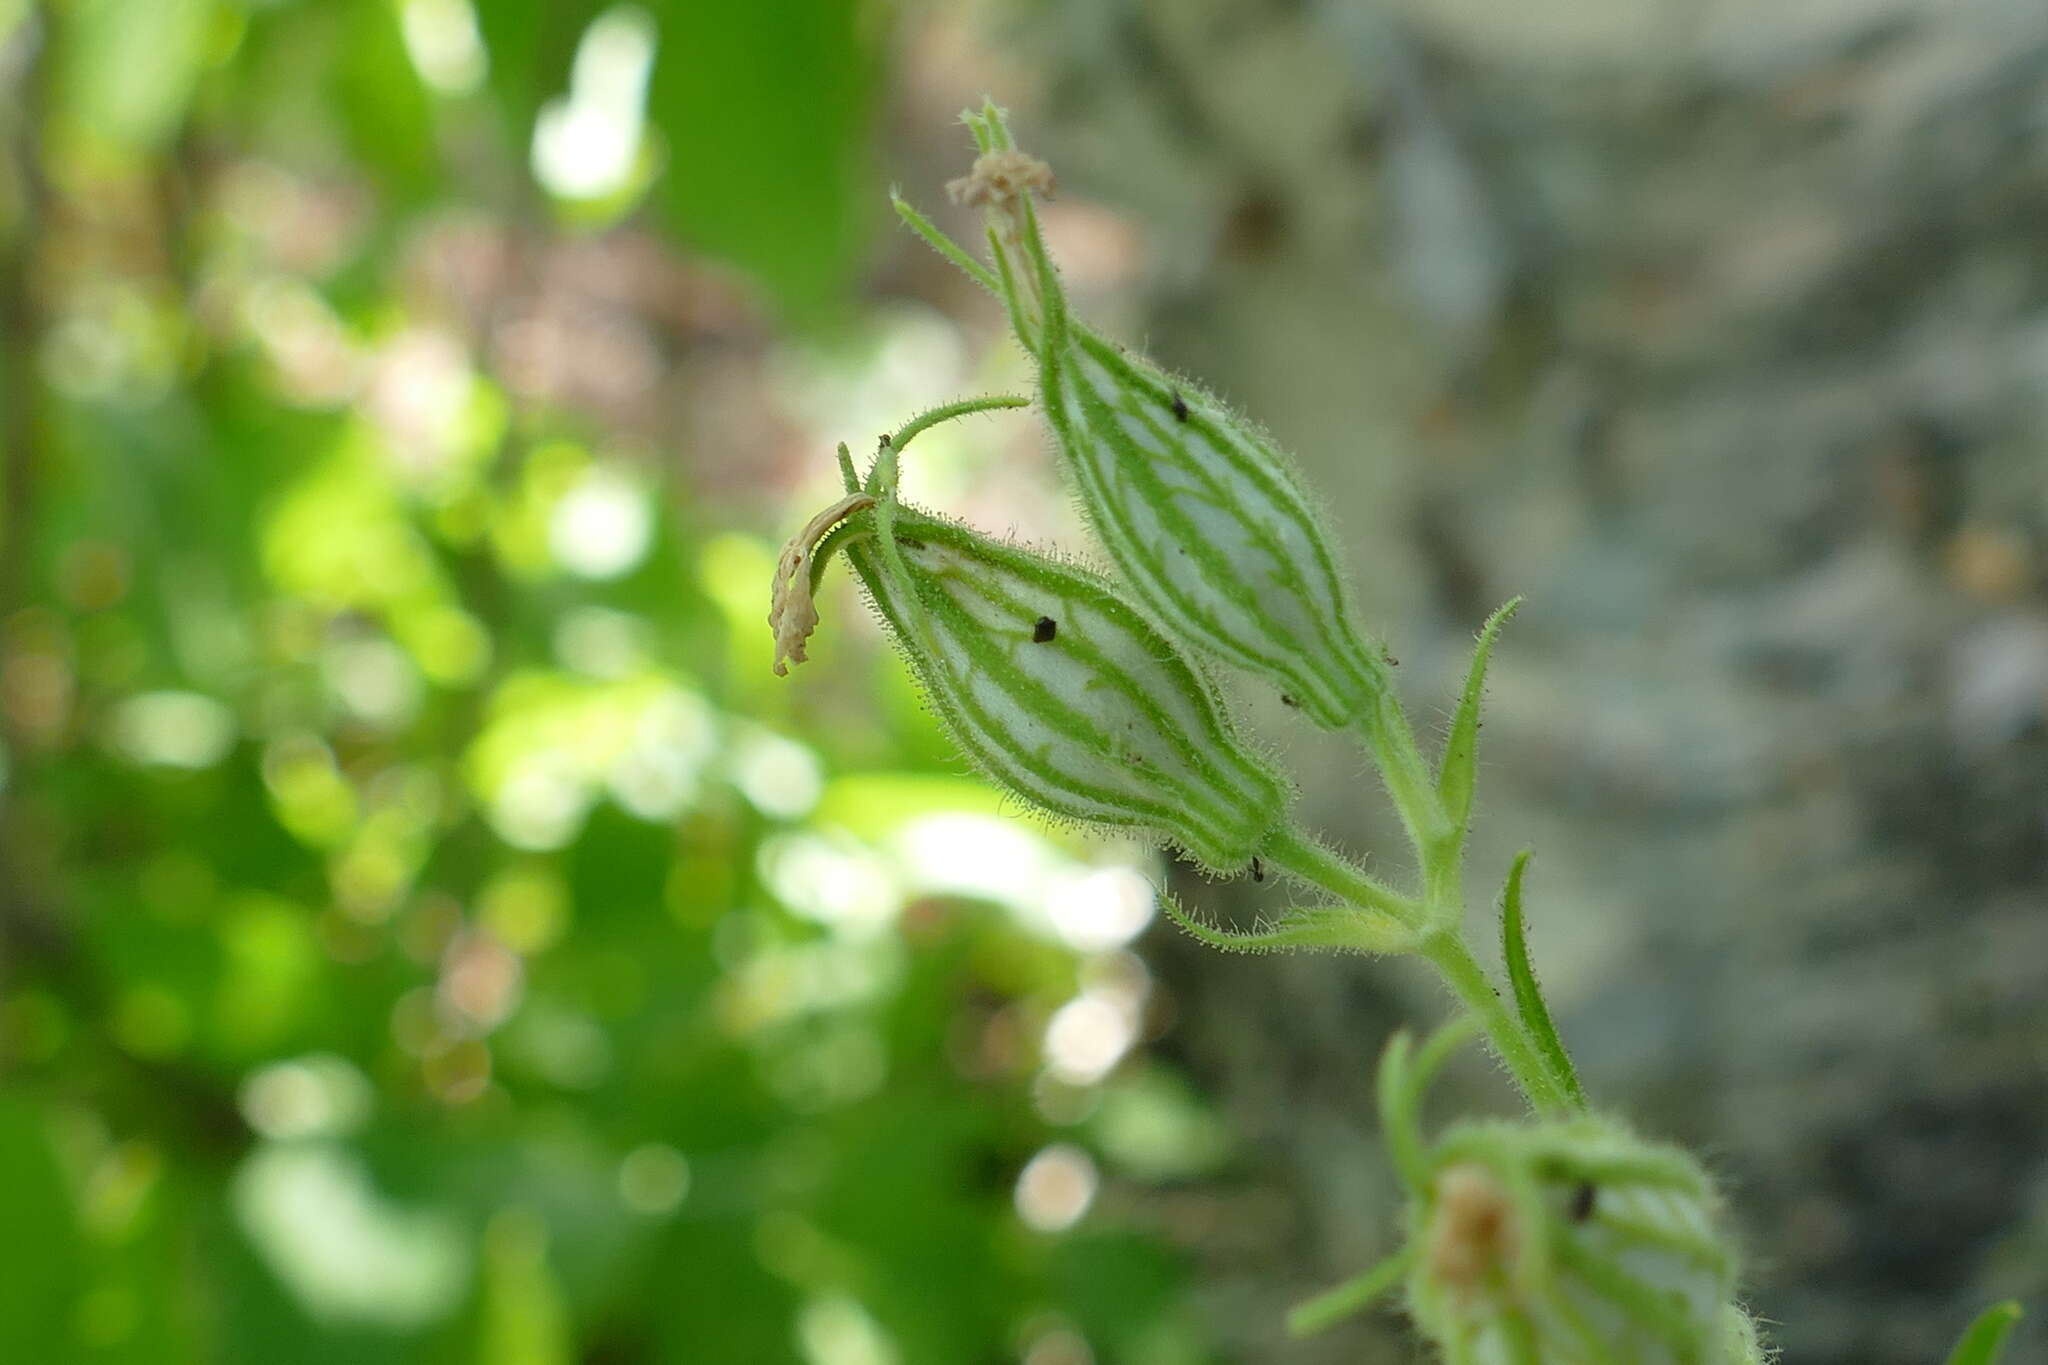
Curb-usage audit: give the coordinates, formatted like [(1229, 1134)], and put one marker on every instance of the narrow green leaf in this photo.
[(1355, 1295), (1454, 777), (1528, 995), (1339, 928), (1985, 1339), (944, 245)]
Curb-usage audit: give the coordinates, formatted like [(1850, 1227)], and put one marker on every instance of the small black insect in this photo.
[(883, 440), (1286, 700), (1258, 870), (1582, 1202), (1044, 629), (1180, 407)]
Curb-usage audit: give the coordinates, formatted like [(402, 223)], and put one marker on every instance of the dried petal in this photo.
[(792, 615)]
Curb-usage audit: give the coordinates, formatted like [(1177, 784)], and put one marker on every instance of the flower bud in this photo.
[(1201, 514), (1547, 1242), (1058, 689), (1570, 1241)]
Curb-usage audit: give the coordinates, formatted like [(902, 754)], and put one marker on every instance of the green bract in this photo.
[(1058, 689), (1201, 515)]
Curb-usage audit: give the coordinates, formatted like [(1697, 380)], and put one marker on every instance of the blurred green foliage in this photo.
[(428, 933)]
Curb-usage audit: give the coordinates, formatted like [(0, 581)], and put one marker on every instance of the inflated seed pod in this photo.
[(1200, 512), (1205, 520), (1570, 1242), (1056, 687)]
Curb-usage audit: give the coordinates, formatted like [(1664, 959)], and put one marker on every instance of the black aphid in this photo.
[(1044, 629), (1180, 407)]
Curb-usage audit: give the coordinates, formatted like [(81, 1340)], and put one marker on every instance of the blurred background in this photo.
[(429, 933)]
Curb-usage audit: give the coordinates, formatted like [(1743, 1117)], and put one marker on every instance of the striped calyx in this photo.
[(1200, 513), (1570, 1242), (1206, 521), (1058, 689)]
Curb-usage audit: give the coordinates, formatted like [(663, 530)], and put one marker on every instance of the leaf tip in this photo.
[(1984, 1340)]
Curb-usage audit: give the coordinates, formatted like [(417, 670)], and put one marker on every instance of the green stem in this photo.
[(924, 421), (1467, 980), (1295, 853), (1391, 744), (947, 412), (1439, 851)]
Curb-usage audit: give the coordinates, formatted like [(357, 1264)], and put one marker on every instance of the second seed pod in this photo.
[(1059, 690)]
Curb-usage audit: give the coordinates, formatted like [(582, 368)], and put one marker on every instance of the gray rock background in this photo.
[(1720, 330)]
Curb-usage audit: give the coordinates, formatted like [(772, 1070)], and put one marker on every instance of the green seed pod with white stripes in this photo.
[(1200, 513), (1205, 520), (1057, 689)]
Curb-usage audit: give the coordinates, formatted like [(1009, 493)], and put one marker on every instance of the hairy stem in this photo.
[(1468, 981), (947, 412), (1384, 729), (1439, 852), (1300, 856)]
